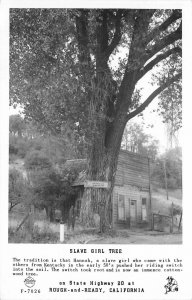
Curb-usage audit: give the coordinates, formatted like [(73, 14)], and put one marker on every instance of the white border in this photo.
[(185, 250)]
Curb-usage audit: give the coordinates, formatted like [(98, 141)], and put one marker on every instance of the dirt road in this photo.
[(140, 238)]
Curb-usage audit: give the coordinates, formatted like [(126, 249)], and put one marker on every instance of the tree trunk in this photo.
[(50, 213), (96, 202), (102, 164), (106, 129)]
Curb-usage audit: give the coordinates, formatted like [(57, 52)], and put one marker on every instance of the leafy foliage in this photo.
[(170, 105), (51, 187), (53, 63), (171, 163), (57, 148), (45, 71), (37, 160), (18, 190), (136, 140), (19, 146), (16, 125)]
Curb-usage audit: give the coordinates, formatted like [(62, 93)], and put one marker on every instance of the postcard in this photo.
[(94, 153)]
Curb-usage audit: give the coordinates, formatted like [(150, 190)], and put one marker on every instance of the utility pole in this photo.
[(150, 198), (165, 175)]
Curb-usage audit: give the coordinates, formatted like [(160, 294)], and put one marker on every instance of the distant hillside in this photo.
[(159, 199)]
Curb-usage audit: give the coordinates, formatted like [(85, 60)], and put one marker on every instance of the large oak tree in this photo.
[(80, 69)]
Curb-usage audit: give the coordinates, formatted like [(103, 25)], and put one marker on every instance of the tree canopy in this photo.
[(55, 55), (16, 125)]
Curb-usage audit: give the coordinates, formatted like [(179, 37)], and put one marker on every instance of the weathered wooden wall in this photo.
[(132, 181), (130, 193), (132, 169)]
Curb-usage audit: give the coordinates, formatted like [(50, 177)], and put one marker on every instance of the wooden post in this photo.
[(171, 228), (152, 223), (22, 222), (165, 174), (150, 198), (180, 221)]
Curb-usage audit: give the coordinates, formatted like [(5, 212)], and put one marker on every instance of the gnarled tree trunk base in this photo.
[(96, 209)]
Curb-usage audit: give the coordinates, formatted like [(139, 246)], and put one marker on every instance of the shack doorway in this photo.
[(133, 212)]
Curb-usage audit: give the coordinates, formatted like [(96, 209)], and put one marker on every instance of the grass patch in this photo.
[(36, 235)]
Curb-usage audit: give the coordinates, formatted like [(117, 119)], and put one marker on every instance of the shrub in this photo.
[(37, 160), (17, 188)]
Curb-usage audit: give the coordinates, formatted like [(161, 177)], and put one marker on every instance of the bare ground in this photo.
[(137, 236), (142, 238)]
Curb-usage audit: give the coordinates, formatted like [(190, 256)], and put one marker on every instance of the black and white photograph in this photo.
[(95, 153)]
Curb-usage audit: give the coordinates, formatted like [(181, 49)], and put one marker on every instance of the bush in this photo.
[(17, 188), (38, 235), (37, 160), (18, 146), (13, 149), (171, 163)]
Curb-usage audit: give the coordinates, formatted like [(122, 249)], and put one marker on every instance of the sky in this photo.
[(151, 117)]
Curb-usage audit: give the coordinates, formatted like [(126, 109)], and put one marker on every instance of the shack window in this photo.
[(121, 207), (144, 209)]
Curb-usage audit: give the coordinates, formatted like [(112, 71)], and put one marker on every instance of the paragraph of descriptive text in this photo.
[(35, 266)]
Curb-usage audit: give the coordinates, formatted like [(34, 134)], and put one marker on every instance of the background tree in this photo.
[(171, 163), (50, 185), (43, 181), (25, 136), (16, 125), (18, 189), (136, 140), (62, 72), (17, 141)]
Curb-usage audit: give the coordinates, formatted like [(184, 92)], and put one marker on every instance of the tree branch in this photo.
[(156, 60), (137, 49), (82, 37), (13, 205), (167, 40), (105, 30), (140, 29), (152, 96), (174, 17), (117, 35)]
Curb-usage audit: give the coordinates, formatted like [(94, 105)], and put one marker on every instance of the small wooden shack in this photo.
[(131, 195), (131, 201)]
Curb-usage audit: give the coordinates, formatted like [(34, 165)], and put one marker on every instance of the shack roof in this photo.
[(78, 163), (79, 166)]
